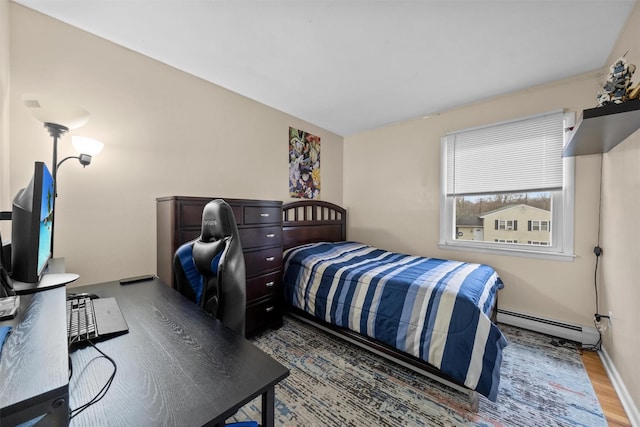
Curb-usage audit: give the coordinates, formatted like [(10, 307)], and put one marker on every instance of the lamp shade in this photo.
[(48, 109), (85, 145)]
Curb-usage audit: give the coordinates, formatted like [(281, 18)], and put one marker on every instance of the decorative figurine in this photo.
[(617, 84)]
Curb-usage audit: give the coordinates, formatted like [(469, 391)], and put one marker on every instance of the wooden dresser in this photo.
[(260, 229)]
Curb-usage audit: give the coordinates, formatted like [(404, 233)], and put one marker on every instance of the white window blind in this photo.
[(519, 156)]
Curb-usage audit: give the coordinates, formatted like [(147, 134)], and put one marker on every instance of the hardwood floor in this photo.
[(611, 406)]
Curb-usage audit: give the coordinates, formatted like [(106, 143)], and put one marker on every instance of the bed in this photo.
[(432, 315)]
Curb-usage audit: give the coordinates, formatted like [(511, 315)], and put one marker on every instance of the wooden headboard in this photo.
[(309, 221)]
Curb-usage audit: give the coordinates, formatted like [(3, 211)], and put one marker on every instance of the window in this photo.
[(510, 183), (505, 224), (538, 225)]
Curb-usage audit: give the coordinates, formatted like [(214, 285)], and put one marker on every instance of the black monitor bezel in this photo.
[(25, 238)]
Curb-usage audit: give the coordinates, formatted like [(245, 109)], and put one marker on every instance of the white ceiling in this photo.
[(353, 65)]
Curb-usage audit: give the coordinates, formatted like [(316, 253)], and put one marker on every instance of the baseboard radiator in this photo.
[(578, 333)]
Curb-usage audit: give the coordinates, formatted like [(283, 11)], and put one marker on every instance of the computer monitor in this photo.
[(32, 226)]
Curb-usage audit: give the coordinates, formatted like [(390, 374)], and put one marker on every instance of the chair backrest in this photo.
[(6, 284), (210, 270)]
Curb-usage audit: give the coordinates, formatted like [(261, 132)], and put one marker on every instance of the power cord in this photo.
[(597, 250), (596, 317), (103, 390), (561, 342), (598, 345)]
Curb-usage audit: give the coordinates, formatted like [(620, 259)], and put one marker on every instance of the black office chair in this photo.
[(210, 270), (6, 284)]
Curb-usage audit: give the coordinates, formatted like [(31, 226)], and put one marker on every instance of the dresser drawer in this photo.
[(256, 237), (262, 215), (191, 213), (185, 236), (264, 314), (262, 286), (262, 261)]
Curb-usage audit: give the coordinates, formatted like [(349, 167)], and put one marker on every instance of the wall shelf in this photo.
[(602, 128)]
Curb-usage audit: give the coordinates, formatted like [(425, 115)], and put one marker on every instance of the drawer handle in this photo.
[(269, 309), (271, 235), (270, 258), (264, 215), (270, 284)]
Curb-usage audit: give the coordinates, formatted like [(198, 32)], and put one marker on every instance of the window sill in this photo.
[(552, 256)]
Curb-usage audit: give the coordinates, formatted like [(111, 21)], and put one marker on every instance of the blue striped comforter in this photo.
[(434, 309)]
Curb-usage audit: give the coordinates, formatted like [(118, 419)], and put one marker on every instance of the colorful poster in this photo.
[(304, 165)]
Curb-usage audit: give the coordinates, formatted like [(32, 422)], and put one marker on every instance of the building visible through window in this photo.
[(513, 218)]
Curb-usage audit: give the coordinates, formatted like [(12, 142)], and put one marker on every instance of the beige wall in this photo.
[(392, 181), (620, 263), (4, 113), (165, 133)]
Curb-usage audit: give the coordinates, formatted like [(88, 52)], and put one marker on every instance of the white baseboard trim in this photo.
[(578, 333), (624, 396)]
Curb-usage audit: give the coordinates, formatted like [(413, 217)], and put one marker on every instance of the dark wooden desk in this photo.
[(34, 367), (176, 365)]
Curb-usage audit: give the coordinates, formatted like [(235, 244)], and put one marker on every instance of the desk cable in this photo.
[(103, 390), (597, 250)]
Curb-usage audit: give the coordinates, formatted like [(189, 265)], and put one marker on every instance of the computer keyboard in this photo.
[(91, 319), (81, 320)]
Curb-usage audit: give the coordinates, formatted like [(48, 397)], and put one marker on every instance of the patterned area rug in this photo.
[(335, 383)]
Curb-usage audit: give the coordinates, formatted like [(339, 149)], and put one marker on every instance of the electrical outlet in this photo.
[(599, 326), (600, 323), (610, 319)]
